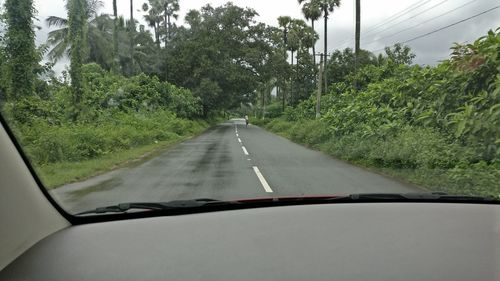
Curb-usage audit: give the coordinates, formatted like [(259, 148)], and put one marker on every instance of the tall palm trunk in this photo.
[(132, 30), (291, 80), (166, 24), (77, 21), (313, 46), (169, 28), (356, 45), (115, 38), (285, 39), (325, 12)]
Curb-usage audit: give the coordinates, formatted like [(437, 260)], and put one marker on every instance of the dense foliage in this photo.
[(437, 126), (119, 113), (128, 87), (20, 48)]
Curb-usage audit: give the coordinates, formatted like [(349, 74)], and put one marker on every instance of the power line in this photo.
[(416, 15), (397, 17), (444, 27), (390, 19), (421, 23)]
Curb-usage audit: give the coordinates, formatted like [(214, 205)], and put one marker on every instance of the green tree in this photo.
[(132, 30), (3, 60), (400, 54), (96, 29), (343, 63), (284, 22), (301, 38), (222, 47), (20, 48), (77, 23), (116, 59), (153, 18)]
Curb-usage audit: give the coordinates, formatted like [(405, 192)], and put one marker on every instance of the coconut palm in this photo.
[(284, 22), (97, 33), (312, 12)]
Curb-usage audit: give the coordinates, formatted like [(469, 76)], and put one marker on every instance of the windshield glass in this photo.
[(162, 100)]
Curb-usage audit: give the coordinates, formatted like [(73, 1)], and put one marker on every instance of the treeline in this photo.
[(435, 126), (119, 113)]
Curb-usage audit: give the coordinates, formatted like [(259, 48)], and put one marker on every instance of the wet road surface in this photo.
[(229, 161)]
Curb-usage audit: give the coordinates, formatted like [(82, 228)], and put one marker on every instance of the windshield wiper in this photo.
[(156, 206), (428, 196), (200, 204)]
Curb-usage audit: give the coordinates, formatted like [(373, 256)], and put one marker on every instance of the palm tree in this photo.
[(301, 37), (311, 12), (171, 7), (326, 7), (357, 36), (153, 18), (59, 39), (132, 34), (115, 37), (284, 22)]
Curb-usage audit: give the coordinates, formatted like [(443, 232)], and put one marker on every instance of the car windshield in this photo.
[(166, 100)]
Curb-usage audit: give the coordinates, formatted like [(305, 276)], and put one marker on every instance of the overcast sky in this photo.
[(379, 25)]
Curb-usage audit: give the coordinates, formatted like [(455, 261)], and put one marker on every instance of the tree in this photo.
[(357, 35), (400, 54), (20, 48), (223, 48), (97, 30), (132, 34), (116, 59), (311, 11), (171, 7), (343, 63), (284, 22), (77, 23), (153, 18), (301, 38), (326, 7)]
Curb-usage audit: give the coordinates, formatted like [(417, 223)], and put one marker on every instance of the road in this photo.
[(228, 161)]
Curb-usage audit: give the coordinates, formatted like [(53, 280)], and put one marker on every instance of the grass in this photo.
[(54, 175)]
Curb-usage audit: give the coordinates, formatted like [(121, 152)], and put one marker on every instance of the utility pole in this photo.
[(320, 85)]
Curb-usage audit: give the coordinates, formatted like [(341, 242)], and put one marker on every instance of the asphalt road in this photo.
[(228, 161)]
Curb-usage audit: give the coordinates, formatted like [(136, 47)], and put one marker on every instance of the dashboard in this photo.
[(364, 241)]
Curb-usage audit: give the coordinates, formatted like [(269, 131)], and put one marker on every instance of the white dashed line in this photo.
[(237, 135), (239, 140), (262, 180), (244, 150)]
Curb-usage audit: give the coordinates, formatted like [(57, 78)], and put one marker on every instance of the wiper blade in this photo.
[(155, 206), (428, 196)]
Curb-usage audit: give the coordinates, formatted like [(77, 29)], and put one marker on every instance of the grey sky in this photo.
[(429, 50)]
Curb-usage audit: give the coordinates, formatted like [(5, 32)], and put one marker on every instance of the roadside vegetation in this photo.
[(132, 88), (438, 127)]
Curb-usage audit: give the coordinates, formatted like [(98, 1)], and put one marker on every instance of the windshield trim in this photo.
[(69, 217)]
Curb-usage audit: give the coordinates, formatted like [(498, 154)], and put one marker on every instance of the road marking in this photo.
[(249, 159), (237, 135), (244, 150), (239, 140), (262, 180)]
